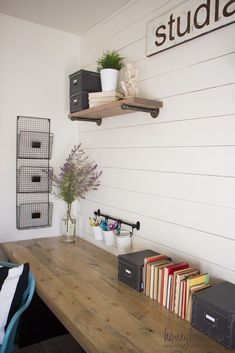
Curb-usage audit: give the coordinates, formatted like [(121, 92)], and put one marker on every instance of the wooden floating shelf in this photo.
[(123, 106)]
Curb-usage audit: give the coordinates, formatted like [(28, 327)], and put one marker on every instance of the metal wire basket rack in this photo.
[(34, 142)]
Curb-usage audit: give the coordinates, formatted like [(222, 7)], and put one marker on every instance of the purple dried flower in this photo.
[(77, 176)]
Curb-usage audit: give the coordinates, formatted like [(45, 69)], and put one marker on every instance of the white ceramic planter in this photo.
[(109, 79), (109, 237), (123, 240), (97, 232)]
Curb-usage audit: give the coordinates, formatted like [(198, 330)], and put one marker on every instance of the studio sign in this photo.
[(188, 21)]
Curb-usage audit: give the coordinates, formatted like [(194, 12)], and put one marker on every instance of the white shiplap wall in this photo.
[(175, 174)]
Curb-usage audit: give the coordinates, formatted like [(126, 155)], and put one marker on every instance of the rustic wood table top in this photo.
[(79, 284)]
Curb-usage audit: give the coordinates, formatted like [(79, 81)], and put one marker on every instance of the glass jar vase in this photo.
[(68, 226)]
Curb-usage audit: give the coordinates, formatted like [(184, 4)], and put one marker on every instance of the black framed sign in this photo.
[(189, 20)]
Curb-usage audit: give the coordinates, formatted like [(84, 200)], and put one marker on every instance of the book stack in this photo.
[(172, 284), (99, 98)]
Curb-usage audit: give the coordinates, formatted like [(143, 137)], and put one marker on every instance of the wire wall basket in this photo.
[(33, 179), (34, 145), (33, 211), (33, 182)]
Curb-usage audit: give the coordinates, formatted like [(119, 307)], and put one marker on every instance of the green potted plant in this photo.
[(108, 65)]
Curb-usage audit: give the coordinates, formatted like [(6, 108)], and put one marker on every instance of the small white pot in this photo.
[(109, 79), (109, 238), (123, 240), (97, 232)]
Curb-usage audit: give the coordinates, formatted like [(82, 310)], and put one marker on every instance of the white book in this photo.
[(155, 283), (180, 299), (97, 104), (103, 99), (169, 292), (105, 94), (152, 281)]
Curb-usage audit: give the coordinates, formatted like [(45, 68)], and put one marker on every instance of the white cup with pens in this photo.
[(108, 232), (96, 230), (123, 240)]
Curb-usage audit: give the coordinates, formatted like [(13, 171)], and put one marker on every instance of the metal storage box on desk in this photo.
[(82, 82), (130, 268), (213, 313)]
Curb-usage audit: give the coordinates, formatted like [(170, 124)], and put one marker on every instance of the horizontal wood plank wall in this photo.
[(175, 174)]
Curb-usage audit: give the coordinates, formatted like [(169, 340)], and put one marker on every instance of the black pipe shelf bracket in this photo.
[(120, 221), (98, 121), (152, 111)]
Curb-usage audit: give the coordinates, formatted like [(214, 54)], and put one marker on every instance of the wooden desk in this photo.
[(79, 284)]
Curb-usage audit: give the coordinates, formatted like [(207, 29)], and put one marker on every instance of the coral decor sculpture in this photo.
[(129, 86)]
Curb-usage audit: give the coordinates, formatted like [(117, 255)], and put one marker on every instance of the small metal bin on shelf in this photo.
[(81, 83), (130, 268), (79, 102), (213, 313)]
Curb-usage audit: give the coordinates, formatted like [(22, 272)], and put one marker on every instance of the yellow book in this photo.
[(194, 281)]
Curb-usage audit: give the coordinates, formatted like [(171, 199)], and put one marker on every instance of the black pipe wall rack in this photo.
[(120, 221)]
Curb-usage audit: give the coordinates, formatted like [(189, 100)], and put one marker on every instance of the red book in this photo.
[(159, 284), (148, 260), (169, 270)]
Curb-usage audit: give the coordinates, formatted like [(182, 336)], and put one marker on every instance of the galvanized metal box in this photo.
[(81, 83), (130, 268), (213, 313)]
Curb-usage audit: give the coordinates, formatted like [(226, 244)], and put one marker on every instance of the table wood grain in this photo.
[(79, 284)]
